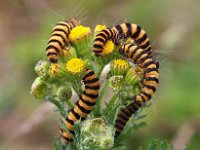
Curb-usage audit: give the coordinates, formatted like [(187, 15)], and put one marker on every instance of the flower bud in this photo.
[(116, 82), (119, 67), (64, 92), (57, 70), (39, 88), (98, 132), (42, 69), (133, 75)]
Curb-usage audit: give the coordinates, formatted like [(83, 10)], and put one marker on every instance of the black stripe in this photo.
[(123, 117), (61, 30), (87, 102), (59, 43), (98, 46), (150, 70), (53, 60), (52, 47), (150, 87), (142, 39), (133, 52), (129, 27), (73, 24), (119, 121), (92, 87), (91, 81), (70, 121), (146, 94), (52, 53), (119, 127), (117, 133), (101, 34), (152, 79), (66, 25), (90, 94), (67, 139), (148, 50), (126, 112), (145, 45), (75, 114), (148, 64), (139, 55), (56, 34), (143, 99), (143, 59), (84, 110), (108, 33), (135, 35), (90, 73), (134, 106), (100, 40), (120, 30)]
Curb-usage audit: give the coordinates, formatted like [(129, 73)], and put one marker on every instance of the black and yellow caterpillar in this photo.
[(134, 31), (150, 82), (84, 106), (102, 37), (59, 38)]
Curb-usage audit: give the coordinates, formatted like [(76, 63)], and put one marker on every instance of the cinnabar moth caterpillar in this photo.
[(59, 38), (102, 37), (84, 106), (149, 83), (134, 31)]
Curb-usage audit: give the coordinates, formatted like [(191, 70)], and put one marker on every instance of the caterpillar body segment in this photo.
[(149, 83), (59, 38), (134, 31), (84, 106), (102, 37)]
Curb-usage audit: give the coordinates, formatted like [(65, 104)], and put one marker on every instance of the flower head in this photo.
[(108, 48), (79, 33), (116, 82), (97, 131), (75, 66), (39, 88), (133, 75), (98, 28), (119, 67), (42, 69)]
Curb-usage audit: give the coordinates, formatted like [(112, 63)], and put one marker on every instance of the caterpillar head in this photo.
[(76, 21)]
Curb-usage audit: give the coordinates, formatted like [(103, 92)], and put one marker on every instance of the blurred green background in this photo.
[(174, 30)]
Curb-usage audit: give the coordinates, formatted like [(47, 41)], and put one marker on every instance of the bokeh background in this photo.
[(174, 30)]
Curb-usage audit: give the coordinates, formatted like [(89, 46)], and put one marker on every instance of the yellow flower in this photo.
[(108, 48), (75, 66), (79, 33), (119, 67), (98, 28)]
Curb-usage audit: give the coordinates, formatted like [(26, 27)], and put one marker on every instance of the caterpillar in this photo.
[(102, 37), (150, 82), (59, 38), (126, 30), (84, 106)]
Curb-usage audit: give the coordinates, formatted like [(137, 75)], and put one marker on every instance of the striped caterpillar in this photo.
[(102, 37), (59, 38), (150, 82), (84, 106), (126, 30)]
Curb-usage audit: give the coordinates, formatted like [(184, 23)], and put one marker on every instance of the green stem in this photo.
[(97, 110), (69, 104), (59, 106), (110, 103)]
